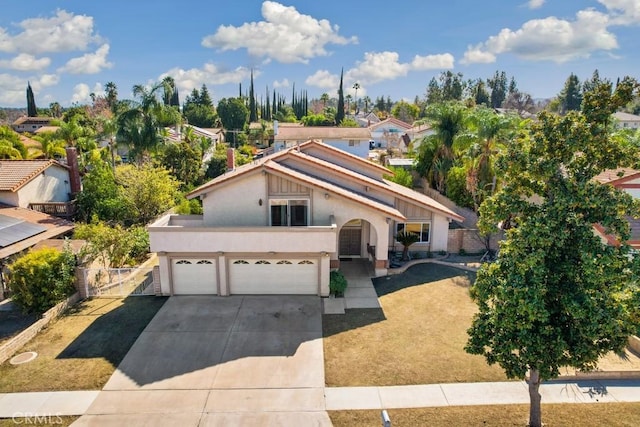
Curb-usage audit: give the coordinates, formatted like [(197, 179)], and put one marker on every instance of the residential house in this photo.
[(351, 140), (279, 224), (388, 134), (366, 120), (626, 120), (628, 180), (30, 124), (417, 133), (44, 185)]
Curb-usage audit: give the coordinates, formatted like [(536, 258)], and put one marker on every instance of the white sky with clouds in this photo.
[(394, 50)]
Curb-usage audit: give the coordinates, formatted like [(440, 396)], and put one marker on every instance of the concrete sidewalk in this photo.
[(227, 404)]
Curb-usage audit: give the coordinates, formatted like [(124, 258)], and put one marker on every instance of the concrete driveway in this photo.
[(235, 360)]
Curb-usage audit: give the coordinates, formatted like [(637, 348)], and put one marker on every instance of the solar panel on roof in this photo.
[(13, 230)]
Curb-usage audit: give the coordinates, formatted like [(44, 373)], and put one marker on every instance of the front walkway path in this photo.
[(360, 292)]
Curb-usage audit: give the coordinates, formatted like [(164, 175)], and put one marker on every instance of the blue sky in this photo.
[(71, 48)]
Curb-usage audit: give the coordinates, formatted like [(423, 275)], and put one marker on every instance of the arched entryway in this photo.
[(356, 239)]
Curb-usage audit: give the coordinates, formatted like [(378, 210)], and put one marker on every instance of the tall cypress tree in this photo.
[(340, 112), (253, 110), (32, 111)]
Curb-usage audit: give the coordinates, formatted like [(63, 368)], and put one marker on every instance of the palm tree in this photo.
[(437, 153), (51, 146), (406, 239), (11, 147), (488, 132), (367, 102), (348, 98), (140, 126), (324, 98), (356, 86)]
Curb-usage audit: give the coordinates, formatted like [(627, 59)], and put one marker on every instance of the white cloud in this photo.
[(209, 74), (623, 12), (89, 63), (285, 35), (81, 94), (13, 88), (324, 80), (432, 62), (549, 39), (378, 66), (64, 32), (25, 62), (535, 4), (282, 83)]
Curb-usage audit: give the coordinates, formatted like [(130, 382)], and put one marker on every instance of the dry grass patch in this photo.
[(418, 337), (81, 349), (601, 414)]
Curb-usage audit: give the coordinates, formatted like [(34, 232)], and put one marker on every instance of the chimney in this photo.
[(74, 171), (275, 127), (231, 159)]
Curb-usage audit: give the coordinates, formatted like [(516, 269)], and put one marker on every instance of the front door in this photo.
[(350, 241)]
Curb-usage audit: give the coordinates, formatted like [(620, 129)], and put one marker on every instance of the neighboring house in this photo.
[(279, 225), (628, 180), (388, 134), (30, 124), (351, 140), (627, 121), (417, 133), (39, 184), (366, 120)]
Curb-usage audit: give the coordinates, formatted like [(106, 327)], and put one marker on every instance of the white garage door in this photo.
[(193, 276), (274, 276)]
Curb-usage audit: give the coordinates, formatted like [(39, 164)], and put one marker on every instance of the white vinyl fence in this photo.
[(115, 282)]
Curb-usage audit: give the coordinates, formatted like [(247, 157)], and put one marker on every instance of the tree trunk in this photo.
[(535, 416)]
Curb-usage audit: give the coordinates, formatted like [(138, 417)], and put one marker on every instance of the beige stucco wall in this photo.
[(237, 204), (52, 185)]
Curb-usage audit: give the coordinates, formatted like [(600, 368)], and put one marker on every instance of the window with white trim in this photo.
[(289, 212), (422, 229)]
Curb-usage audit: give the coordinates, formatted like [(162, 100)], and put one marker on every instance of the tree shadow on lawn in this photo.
[(113, 333), (420, 274)]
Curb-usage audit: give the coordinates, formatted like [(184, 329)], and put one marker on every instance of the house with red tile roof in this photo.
[(23, 182), (628, 180), (287, 219)]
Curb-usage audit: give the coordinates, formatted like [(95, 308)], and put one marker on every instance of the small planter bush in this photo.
[(337, 283), (41, 279)]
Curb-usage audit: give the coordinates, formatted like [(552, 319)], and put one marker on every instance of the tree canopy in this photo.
[(558, 295)]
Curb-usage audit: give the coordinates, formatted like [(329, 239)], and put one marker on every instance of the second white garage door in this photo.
[(194, 276), (297, 276)]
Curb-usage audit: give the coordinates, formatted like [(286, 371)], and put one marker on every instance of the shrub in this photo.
[(139, 237), (337, 283), (41, 279)]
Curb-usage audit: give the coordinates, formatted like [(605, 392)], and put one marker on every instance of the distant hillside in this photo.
[(9, 115)]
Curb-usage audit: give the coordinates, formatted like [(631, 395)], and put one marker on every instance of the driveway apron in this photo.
[(216, 360)]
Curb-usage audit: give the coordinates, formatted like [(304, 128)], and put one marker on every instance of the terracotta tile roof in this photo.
[(305, 133), (423, 199), (28, 142), (612, 175), (335, 189), (16, 173), (54, 227), (25, 119), (44, 129), (626, 117)]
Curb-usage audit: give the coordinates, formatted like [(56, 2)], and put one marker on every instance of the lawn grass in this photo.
[(553, 415), (417, 338), (81, 349)]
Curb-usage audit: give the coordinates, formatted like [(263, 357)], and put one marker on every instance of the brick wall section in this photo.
[(469, 240), (16, 343)]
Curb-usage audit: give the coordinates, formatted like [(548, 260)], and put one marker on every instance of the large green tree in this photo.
[(571, 95), (558, 295), (32, 111), (234, 115)]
